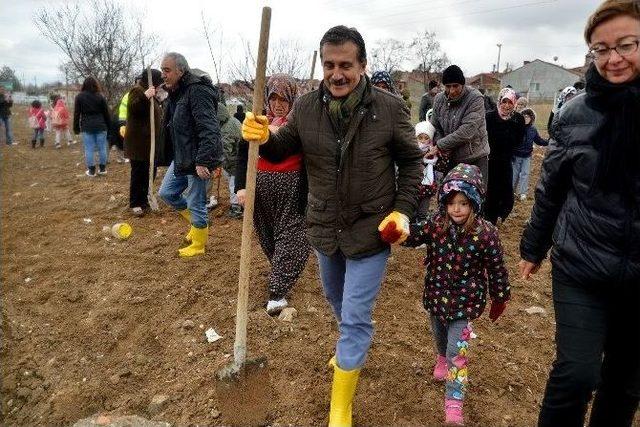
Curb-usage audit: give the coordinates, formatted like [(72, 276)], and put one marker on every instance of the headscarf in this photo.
[(510, 94), (521, 104), (284, 86), (384, 77), (568, 91)]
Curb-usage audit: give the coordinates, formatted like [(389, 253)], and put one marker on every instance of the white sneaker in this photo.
[(213, 202), (523, 197), (275, 307)]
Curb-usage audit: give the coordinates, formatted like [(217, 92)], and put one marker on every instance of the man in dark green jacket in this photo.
[(352, 136)]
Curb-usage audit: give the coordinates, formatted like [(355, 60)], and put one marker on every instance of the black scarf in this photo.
[(618, 140)]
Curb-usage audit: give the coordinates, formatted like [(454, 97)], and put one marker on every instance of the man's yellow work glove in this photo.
[(255, 129), (123, 131), (394, 228)]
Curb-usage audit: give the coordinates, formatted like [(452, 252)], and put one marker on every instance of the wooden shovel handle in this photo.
[(240, 345), (152, 127)]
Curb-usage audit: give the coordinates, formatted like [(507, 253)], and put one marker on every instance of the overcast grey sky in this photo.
[(467, 29)]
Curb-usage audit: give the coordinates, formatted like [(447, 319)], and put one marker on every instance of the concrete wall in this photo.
[(539, 79)]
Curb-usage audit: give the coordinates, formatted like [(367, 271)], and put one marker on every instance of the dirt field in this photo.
[(93, 325)]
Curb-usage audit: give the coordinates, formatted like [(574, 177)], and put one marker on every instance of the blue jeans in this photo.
[(171, 191), (351, 287), (6, 121), (93, 142), (38, 134), (521, 168)]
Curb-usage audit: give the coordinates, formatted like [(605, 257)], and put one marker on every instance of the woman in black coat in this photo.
[(587, 205), (505, 129)]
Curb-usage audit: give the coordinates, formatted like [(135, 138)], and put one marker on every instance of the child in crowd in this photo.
[(433, 167), (464, 259), (522, 154), (60, 122), (37, 122)]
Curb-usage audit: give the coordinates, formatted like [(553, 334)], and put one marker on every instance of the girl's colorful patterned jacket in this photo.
[(460, 265)]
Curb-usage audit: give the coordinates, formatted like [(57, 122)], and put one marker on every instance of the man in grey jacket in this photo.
[(459, 119)]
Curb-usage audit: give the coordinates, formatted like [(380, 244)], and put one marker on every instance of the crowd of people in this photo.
[(344, 174)]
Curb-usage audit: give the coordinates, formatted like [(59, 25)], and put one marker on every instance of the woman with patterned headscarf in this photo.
[(383, 80), (566, 94), (505, 129), (281, 190)]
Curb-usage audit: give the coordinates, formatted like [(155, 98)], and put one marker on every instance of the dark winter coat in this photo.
[(5, 106), (352, 181), (231, 136), (191, 123), (426, 102), (460, 265), (595, 236), (531, 136), (460, 126), (504, 137), (90, 113), (137, 139)]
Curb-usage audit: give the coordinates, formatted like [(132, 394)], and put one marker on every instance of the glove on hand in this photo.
[(394, 228), (496, 310), (255, 129)]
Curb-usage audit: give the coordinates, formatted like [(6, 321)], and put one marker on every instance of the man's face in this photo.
[(341, 67), (453, 90), (170, 73)]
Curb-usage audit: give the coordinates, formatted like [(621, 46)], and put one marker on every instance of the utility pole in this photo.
[(498, 63), (313, 64)]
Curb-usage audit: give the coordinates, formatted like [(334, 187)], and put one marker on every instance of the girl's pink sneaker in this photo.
[(453, 412), (440, 370)]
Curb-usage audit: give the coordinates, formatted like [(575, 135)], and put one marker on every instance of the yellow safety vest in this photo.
[(122, 109)]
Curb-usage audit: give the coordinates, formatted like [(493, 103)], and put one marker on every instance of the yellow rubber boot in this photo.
[(187, 215), (199, 240), (342, 392)]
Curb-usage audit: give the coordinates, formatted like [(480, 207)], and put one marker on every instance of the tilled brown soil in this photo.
[(91, 324)]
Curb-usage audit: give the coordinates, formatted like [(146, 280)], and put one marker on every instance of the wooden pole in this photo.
[(153, 203), (240, 345), (313, 65)]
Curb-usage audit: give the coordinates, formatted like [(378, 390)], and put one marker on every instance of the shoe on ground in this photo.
[(523, 197), (213, 202), (58, 146), (102, 170), (137, 211), (440, 370), (90, 173), (235, 211), (276, 306), (453, 412)]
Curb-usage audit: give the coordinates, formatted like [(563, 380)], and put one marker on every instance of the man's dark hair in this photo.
[(341, 34), (579, 85), (36, 104), (90, 84), (433, 84)]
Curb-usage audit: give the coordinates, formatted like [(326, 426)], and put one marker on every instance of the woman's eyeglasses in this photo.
[(601, 53)]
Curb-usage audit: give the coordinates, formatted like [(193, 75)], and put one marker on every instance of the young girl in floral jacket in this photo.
[(464, 259)]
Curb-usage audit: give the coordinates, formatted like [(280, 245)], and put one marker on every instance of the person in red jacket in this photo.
[(464, 260), (60, 122), (37, 122)]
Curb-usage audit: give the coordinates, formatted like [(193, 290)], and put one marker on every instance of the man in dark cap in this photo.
[(459, 119)]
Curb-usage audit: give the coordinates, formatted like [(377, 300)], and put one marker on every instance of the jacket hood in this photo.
[(223, 113), (466, 179), (529, 112)]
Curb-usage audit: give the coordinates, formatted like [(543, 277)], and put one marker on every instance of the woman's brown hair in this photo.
[(610, 9), (90, 84)]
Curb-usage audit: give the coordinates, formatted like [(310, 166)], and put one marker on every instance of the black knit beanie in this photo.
[(453, 74)]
